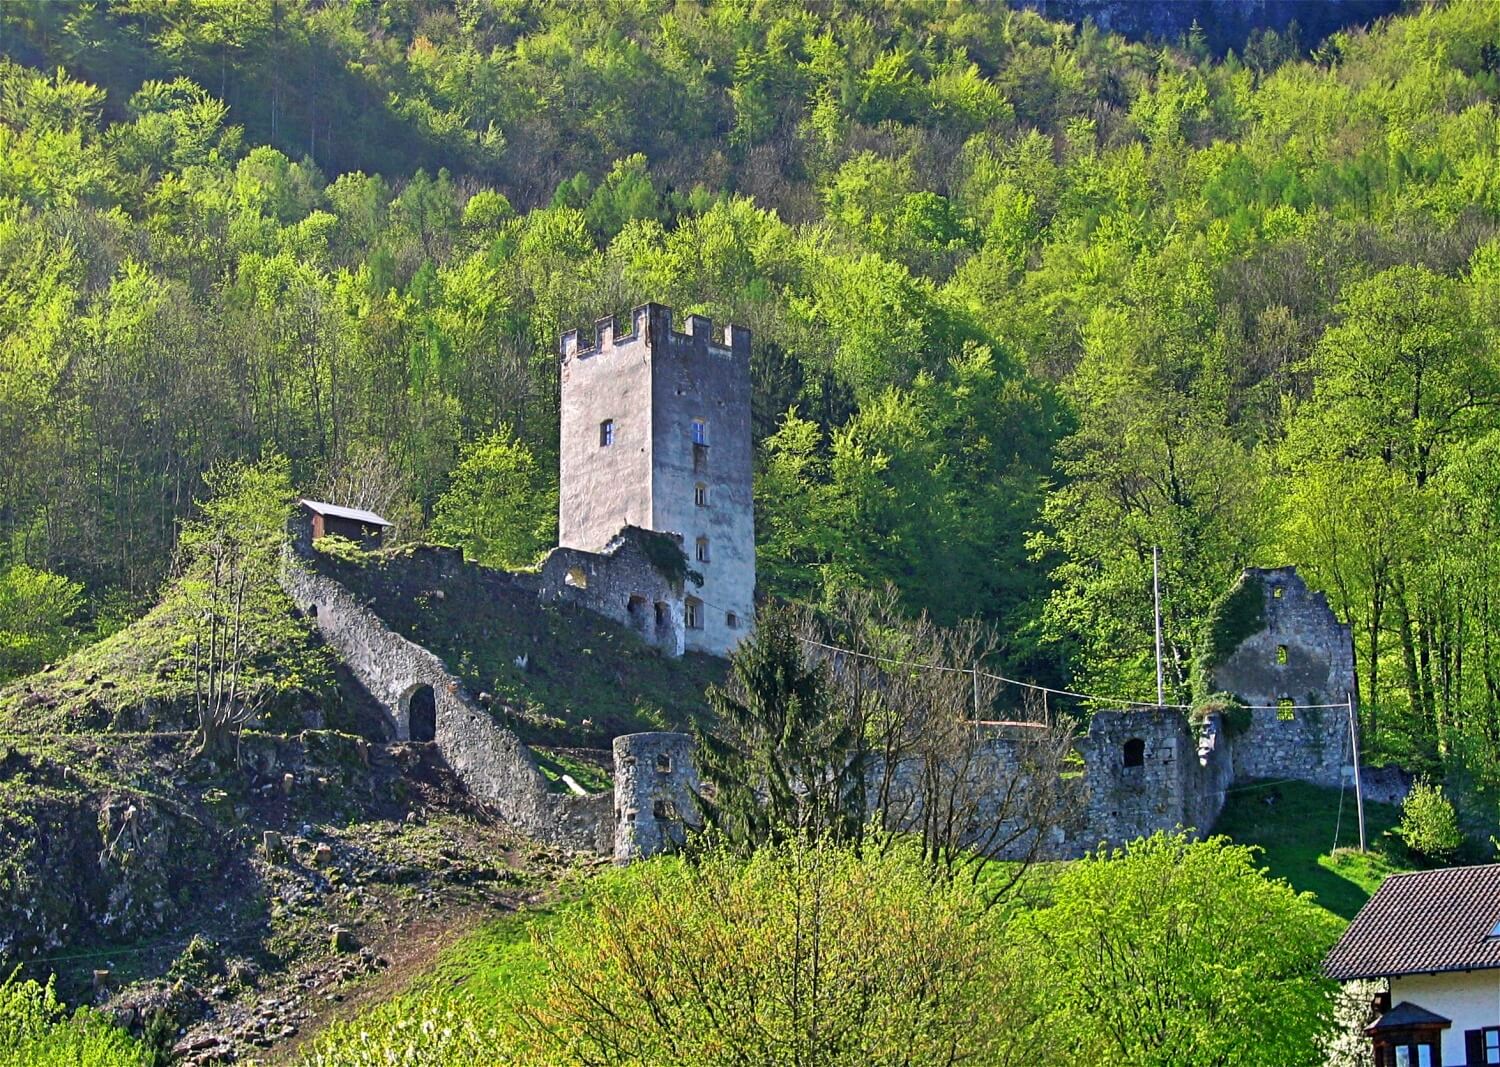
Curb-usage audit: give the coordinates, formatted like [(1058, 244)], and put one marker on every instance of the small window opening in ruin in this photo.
[(312, 612), (1276, 591), (421, 714), (1280, 653), (700, 495), (693, 613), (700, 432), (1135, 752), (702, 550), (576, 578), (663, 764), (630, 816), (606, 433), (731, 620), (662, 616), (664, 810), (635, 607), (1286, 711)]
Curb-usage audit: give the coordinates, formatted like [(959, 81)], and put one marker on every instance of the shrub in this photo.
[(1429, 823), (37, 1031), (804, 953)]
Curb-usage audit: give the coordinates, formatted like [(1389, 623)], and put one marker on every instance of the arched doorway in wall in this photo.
[(421, 713)]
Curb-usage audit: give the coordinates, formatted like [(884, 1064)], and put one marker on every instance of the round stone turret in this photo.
[(656, 780)]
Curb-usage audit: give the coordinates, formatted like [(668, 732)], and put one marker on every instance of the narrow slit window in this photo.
[(700, 495), (700, 432), (606, 433), (731, 620), (702, 550), (1281, 654), (664, 763)]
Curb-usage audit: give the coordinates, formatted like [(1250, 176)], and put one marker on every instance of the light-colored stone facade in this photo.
[(656, 787), (655, 433)]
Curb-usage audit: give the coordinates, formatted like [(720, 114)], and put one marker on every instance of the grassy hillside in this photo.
[(1295, 825)]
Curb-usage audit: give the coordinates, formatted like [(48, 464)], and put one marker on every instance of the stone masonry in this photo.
[(656, 785), (490, 760), (655, 433)]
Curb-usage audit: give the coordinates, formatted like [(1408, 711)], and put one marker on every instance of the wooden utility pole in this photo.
[(1156, 598), (1359, 789)]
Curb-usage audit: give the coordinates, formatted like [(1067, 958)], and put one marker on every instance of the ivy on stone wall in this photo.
[(1237, 615)]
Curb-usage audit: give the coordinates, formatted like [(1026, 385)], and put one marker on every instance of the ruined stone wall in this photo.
[(620, 583), (656, 781), (1301, 656), (490, 760)]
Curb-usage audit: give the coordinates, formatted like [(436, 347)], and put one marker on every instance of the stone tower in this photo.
[(656, 434)]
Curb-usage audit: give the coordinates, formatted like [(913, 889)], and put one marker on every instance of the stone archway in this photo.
[(420, 707)]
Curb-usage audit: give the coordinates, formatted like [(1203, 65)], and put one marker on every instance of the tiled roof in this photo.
[(1424, 922), (344, 513)]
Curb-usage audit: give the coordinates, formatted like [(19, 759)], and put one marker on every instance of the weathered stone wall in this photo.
[(651, 383), (490, 760), (656, 781), (1302, 656), (620, 583)]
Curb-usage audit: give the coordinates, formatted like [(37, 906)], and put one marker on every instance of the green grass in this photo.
[(1296, 836), (585, 680)]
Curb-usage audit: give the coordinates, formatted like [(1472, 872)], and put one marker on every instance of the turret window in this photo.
[(700, 495), (606, 433), (700, 432)]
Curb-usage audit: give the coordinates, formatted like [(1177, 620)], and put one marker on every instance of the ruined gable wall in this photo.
[(1307, 743)]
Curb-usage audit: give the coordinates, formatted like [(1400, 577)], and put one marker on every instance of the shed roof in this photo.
[(337, 511), (1424, 922)]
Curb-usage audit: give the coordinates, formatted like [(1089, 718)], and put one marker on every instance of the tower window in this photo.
[(692, 613), (731, 620), (1135, 752), (702, 550), (700, 495), (1286, 711), (1281, 654), (606, 433), (700, 432)]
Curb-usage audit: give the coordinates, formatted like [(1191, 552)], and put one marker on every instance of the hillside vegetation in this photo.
[(1027, 300)]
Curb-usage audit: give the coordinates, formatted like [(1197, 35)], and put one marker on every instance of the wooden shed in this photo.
[(364, 527)]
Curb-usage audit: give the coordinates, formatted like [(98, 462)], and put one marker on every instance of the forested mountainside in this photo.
[(1027, 300)]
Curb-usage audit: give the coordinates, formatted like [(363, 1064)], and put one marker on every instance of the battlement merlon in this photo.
[(652, 322)]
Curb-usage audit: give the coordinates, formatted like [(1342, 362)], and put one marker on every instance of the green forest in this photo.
[(1028, 299)]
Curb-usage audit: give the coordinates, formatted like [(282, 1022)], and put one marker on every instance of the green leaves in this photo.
[(499, 507)]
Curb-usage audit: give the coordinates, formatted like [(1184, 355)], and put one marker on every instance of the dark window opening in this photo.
[(663, 764), (421, 714), (664, 810), (606, 433), (1135, 752), (731, 620)]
